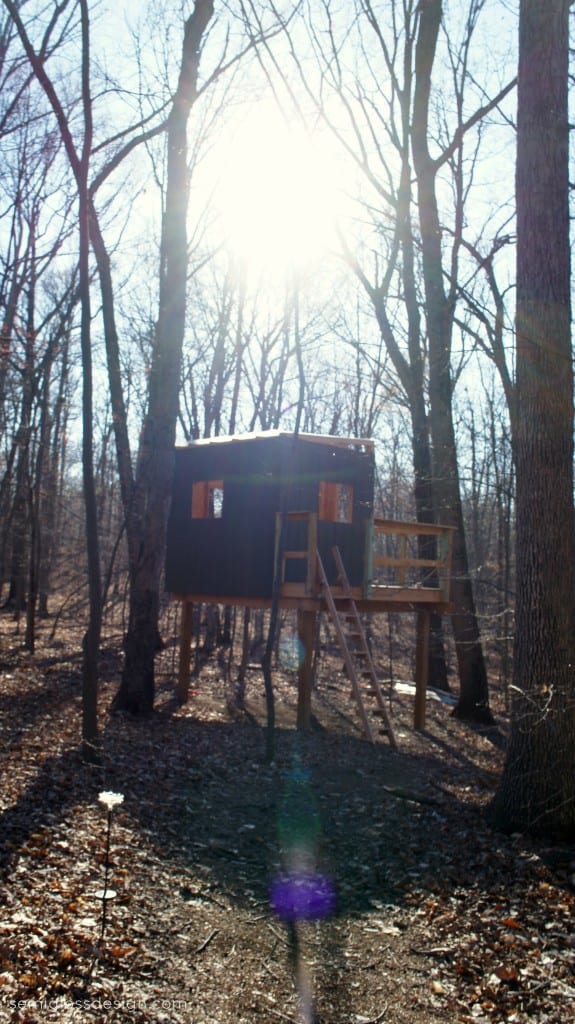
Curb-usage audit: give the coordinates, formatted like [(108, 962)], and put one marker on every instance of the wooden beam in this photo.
[(381, 601), (311, 575), (306, 628), (421, 668)]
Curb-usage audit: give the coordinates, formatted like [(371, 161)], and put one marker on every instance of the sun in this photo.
[(276, 196)]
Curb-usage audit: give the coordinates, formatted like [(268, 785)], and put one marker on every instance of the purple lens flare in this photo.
[(302, 897)]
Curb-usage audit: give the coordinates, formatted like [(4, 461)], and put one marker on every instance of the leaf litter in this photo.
[(437, 918)]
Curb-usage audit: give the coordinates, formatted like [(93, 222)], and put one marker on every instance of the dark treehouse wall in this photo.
[(233, 556)]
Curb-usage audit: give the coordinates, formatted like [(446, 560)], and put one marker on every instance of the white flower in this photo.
[(110, 799)]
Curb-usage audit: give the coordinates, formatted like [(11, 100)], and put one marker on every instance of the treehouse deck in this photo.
[(408, 569), (398, 579)]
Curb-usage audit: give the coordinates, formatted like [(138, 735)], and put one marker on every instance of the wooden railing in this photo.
[(398, 561)]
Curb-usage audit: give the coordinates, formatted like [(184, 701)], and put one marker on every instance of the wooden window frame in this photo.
[(335, 502), (207, 499)]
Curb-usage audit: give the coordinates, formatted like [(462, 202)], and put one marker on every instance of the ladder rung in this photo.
[(357, 658)]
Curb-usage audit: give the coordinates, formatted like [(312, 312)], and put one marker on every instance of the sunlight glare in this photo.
[(276, 197)]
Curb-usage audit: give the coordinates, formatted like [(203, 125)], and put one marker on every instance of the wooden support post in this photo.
[(183, 687), (311, 575), (306, 628), (421, 668)]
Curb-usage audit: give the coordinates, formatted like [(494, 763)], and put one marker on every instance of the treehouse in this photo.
[(275, 512)]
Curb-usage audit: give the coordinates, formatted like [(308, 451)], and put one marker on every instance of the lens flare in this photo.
[(305, 897), (300, 892)]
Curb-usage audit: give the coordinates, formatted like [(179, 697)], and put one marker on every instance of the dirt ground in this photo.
[(436, 918)]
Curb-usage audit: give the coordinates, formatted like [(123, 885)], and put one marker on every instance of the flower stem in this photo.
[(106, 870)]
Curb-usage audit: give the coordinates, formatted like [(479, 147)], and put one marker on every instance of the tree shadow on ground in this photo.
[(61, 683), (199, 791), (58, 784), (206, 798), (357, 814), (198, 794), (208, 825)]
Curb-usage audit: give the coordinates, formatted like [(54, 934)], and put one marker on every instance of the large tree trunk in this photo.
[(437, 667), (80, 164), (55, 460), (150, 500), (474, 699), (415, 379), (22, 511), (91, 647), (537, 789)]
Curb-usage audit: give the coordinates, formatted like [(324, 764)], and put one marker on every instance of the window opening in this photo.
[(207, 499), (335, 502)]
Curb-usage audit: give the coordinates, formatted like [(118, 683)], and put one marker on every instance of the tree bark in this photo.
[(473, 701), (153, 478), (80, 164), (92, 636), (409, 366), (422, 461), (537, 788)]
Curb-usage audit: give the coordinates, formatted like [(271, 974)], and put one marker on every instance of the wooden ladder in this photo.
[(354, 648)]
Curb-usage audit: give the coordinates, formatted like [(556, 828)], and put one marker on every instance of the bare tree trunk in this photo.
[(80, 164), (16, 599), (474, 698), (412, 378), (410, 367), (22, 511), (92, 637), (537, 789), (55, 458), (150, 501)]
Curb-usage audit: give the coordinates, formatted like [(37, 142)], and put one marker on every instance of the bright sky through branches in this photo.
[(278, 196)]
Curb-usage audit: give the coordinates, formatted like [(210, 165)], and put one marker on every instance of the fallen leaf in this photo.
[(507, 973), (512, 922)]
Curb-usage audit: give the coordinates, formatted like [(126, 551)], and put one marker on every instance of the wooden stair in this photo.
[(355, 650)]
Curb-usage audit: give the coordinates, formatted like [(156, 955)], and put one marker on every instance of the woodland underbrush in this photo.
[(436, 917)]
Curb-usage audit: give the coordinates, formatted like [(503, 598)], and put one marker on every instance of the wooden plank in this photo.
[(311, 575), (407, 563), (368, 559), (414, 529), (340, 632), (446, 548), (416, 594), (365, 667), (297, 517), (293, 596), (375, 607)]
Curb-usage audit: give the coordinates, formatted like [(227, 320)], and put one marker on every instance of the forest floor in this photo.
[(437, 918)]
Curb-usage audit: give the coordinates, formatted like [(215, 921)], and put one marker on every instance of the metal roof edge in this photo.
[(328, 439)]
